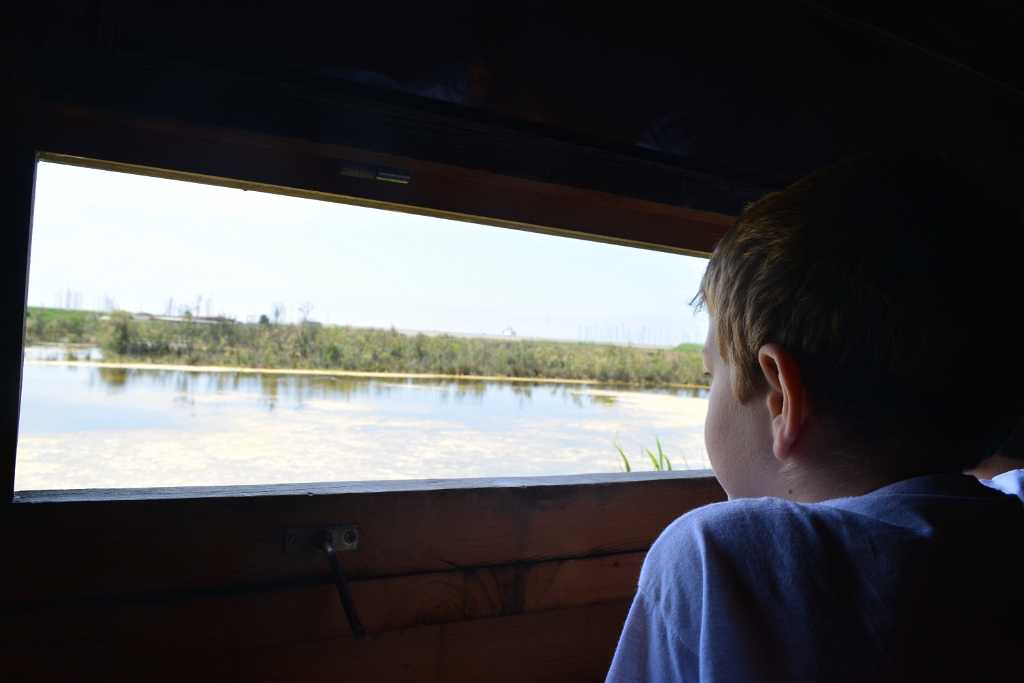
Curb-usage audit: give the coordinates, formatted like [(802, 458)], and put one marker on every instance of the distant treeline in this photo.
[(312, 346)]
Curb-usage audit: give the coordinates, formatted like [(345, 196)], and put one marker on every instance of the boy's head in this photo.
[(878, 294)]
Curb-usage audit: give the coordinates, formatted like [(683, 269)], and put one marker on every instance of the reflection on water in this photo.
[(86, 426), (298, 389), (115, 378)]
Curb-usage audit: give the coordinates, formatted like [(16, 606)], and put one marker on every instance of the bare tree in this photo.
[(304, 310), (278, 313)]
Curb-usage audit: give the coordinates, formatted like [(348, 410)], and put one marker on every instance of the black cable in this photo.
[(343, 591)]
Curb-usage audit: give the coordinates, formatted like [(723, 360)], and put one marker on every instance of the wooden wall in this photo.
[(454, 581), (519, 579), (497, 580)]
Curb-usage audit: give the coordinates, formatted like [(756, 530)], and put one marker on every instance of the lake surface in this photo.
[(84, 426)]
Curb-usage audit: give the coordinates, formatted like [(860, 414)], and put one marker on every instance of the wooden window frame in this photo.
[(431, 552)]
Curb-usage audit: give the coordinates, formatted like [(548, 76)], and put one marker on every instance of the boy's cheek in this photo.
[(738, 446), (716, 434)]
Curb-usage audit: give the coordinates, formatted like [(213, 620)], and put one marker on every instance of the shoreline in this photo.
[(347, 373)]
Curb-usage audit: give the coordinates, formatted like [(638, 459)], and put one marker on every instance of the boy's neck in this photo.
[(818, 479)]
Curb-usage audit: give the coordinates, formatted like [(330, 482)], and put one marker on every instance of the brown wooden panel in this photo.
[(410, 655), (561, 645), (578, 582), (314, 168), (279, 617), (407, 127), (112, 662), (127, 546), (557, 645), (301, 634), (295, 615), (448, 576)]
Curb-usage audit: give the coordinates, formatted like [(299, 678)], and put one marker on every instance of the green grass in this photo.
[(59, 325), (659, 459), (306, 346)]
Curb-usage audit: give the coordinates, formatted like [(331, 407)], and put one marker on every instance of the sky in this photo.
[(103, 239)]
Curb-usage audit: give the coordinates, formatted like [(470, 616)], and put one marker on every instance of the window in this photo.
[(440, 563), (182, 334)]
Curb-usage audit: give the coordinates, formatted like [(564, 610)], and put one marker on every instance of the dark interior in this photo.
[(623, 123)]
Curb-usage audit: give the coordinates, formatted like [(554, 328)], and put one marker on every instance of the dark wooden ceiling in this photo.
[(754, 94)]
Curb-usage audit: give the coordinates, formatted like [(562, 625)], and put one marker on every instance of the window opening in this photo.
[(185, 334)]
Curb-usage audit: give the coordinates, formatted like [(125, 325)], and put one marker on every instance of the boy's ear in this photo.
[(786, 399)]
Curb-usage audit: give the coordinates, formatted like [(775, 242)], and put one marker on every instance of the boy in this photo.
[(857, 366)]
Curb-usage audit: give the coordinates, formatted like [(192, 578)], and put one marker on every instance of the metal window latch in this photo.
[(386, 175), (331, 541)]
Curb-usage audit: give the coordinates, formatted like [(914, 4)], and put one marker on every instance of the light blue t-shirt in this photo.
[(886, 586)]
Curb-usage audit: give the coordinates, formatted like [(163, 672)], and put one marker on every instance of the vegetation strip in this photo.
[(219, 344)]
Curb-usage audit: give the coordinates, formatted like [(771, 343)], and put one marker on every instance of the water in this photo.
[(90, 427)]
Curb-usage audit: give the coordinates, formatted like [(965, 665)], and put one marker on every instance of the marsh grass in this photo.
[(313, 346), (659, 459)]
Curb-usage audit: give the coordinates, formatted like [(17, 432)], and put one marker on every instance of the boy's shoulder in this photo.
[(754, 539), (834, 590), (909, 504), (726, 581), (731, 542), (716, 526)]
